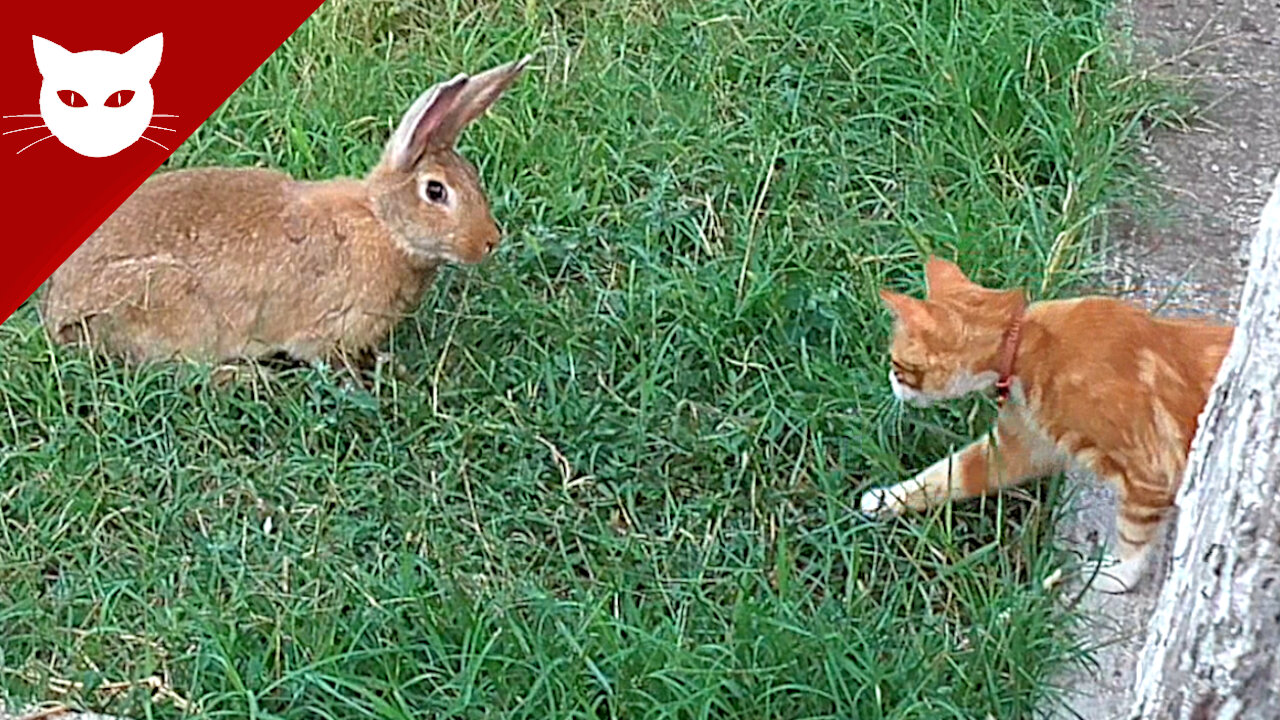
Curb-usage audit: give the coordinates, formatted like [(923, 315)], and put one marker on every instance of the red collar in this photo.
[(1008, 354)]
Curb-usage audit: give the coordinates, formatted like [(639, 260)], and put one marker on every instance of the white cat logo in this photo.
[(96, 102)]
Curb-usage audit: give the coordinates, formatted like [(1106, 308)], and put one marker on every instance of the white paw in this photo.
[(1111, 576), (1054, 579), (879, 502)]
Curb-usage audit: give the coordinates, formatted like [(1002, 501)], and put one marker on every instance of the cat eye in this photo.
[(120, 98), (908, 376), (71, 98), (435, 191)]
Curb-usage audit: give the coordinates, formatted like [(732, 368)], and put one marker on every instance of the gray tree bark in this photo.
[(1213, 643)]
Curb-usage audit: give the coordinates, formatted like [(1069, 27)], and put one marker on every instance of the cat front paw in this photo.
[(880, 503), (1111, 576)]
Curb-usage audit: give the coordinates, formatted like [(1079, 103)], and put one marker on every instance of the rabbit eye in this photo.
[(435, 191)]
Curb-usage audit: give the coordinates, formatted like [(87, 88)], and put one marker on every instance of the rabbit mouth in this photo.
[(429, 255), (439, 256), (427, 252), (462, 256)]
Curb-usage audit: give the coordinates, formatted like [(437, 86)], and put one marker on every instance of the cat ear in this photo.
[(422, 122), (905, 308), (480, 92), (49, 55), (145, 56), (1016, 299), (940, 274)]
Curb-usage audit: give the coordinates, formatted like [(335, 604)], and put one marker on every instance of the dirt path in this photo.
[(1216, 176)]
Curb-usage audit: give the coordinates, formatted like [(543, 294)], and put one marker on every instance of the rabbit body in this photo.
[(226, 264), (248, 263)]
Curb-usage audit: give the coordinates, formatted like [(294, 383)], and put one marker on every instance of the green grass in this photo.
[(622, 480)]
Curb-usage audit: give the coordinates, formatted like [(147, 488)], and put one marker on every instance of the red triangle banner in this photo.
[(70, 158)]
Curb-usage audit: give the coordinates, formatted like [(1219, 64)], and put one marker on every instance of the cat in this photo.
[(1092, 381), (96, 102)]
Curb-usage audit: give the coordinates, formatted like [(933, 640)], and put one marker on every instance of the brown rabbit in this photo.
[(229, 264)]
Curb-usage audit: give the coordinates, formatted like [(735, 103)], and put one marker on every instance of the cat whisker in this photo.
[(33, 127), (156, 115), (153, 142), (892, 414), (46, 137), (13, 116), (157, 127)]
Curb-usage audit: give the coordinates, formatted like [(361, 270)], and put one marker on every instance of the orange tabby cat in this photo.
[(1091, 380)]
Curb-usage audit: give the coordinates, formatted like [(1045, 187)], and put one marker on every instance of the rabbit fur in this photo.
[(221, 264)]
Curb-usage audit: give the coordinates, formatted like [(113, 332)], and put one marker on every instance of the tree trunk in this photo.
[(1213, 642)]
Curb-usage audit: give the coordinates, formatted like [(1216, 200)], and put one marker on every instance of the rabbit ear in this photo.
[(480, 92), (421, 125)]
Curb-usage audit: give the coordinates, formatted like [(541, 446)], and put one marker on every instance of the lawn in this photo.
[(621, 477)]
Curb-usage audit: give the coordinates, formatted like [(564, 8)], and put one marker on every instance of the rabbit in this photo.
[(227, 265)]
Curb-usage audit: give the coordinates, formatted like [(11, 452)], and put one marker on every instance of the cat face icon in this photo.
[(96, 102)]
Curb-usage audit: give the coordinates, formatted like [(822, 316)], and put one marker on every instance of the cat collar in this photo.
[(1008, 353)]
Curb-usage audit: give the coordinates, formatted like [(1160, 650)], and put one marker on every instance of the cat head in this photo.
[(947, 344), (96, 102)]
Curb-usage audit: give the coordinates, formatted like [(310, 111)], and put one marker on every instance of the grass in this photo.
[(621, 481)]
